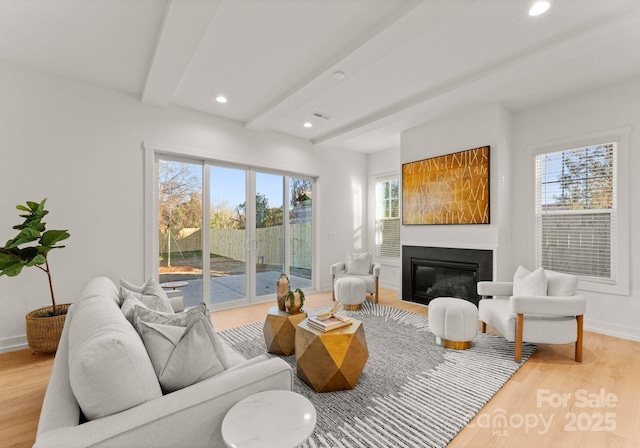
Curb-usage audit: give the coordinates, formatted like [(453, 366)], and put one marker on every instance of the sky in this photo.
[(229, 184)]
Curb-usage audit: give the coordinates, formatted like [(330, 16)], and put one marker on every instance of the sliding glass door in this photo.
[(269, 232), (300, 232), (227, 232), (180, 227)]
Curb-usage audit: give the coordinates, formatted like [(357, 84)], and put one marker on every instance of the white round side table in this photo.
[(269, 419)]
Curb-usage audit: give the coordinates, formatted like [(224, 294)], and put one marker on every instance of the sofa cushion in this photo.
[(158, 317), (134, 299), (182, 356), (109, 369), (358, 264), (560, 284), (527, 283), (151, 294)]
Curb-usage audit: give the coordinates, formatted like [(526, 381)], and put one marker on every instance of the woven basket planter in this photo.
[(43, 333)]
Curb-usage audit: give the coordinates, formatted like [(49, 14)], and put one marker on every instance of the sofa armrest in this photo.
[(549, 305), (188, 417), (500, 289), (60, 407), (375, 270), (338, 267)]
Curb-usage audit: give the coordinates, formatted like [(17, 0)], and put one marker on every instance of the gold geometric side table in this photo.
[(280, 331), (331, 360)]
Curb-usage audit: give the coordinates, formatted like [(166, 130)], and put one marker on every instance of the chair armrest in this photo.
[(338, 267), (550, 305), (163, 422), (495, 289), (375, 270)]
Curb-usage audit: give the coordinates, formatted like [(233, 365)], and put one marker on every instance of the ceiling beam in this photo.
[(183, 28), (580, 40), (409, 22)]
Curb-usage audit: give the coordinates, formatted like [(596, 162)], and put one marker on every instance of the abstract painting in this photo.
[(449, 189)]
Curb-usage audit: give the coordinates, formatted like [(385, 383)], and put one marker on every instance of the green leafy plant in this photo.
[(292, 298), (32, 245)]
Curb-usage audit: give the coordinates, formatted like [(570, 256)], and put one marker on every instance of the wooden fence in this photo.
[(231, 243)]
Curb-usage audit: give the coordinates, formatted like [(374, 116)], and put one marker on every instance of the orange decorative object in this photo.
[(450, 189), (333, 360), (280, 330), (282, 286)]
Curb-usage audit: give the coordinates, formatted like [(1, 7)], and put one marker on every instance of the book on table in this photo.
[(329, 324)]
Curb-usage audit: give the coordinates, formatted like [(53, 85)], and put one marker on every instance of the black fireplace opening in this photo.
[(430, 272)]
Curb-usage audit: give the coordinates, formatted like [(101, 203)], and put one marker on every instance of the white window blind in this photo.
[(387, 239), (576, 211)]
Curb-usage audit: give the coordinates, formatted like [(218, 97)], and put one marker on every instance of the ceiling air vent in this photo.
[(322, 115)]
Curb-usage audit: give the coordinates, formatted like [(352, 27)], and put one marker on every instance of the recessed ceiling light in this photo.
[(338, 75), (221, 99), (307, 125), (539, 7)]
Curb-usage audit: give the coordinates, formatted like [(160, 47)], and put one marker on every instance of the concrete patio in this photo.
[(232, 287)]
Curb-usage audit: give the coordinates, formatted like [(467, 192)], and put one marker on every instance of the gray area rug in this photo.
[(412, 392)]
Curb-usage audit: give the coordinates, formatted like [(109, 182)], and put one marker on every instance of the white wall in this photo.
[(599, 111), (79, 145), (382, 163), (491, 126)]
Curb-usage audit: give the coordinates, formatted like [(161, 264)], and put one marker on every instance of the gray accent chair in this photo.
[(339, 270)]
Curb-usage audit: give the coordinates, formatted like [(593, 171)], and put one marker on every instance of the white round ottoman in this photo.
[(351, 292), (454, 322)]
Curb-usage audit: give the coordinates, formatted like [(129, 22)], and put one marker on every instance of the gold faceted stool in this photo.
[(280, 331), (333, 360)]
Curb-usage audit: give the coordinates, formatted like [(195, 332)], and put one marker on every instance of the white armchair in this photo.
[(357, 265), (551, 315)]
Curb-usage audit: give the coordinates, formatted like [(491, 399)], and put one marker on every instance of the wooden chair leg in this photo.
[(376, 298), (333, 289), (483, 327), (519, 324), (580, 322)]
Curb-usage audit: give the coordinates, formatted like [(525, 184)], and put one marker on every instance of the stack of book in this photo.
[(328, 324)]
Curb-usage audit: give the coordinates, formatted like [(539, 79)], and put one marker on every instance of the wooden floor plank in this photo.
[(610, 365)]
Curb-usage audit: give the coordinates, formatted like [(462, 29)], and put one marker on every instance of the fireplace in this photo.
[(430, 272)]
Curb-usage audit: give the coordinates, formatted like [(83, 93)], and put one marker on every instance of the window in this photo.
[(387, 232), (577, 211)]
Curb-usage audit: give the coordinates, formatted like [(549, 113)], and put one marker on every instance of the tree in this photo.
[(180, 199), (586, 180), (223, 217), (265, 216), (297, 189)]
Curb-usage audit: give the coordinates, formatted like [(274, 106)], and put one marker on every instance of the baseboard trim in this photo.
[(13, 344), (617, 331), (392, 286)]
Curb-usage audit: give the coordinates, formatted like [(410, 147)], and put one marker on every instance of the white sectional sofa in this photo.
[(189, 417)]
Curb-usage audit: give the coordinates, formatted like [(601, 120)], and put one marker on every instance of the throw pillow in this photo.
[(141, 313), (526, 283), (358, 264), (182, 356), (133, 299), (561, 284), (154, 296), (131, 287)]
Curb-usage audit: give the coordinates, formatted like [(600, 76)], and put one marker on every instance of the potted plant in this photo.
[(294, 301), (31, 247)]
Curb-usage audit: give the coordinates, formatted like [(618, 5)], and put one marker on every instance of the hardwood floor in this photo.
[(552, 401)]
